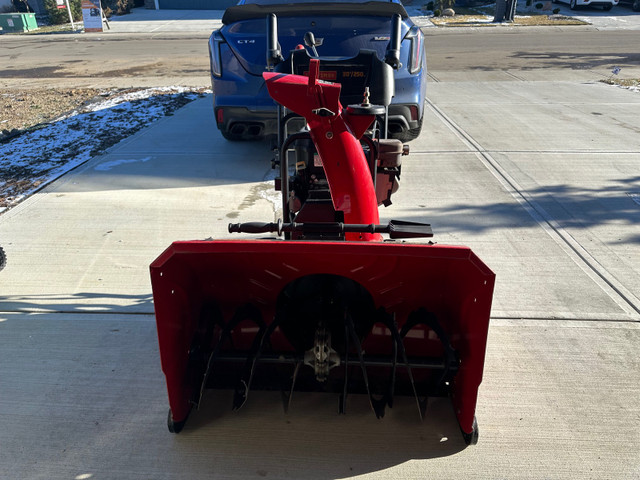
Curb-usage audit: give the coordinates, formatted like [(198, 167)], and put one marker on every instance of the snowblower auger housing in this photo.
[(242, 314), (350, 315)]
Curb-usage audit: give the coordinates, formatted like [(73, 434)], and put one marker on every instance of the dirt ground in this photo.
[(24, 109)]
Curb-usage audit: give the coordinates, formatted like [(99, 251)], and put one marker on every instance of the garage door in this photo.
[(195, 4)]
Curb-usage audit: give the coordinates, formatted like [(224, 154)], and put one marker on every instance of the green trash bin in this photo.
[(18, 22)]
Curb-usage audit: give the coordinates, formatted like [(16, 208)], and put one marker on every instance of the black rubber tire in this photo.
[(472, 438), (573, 5), (175, 427), (3, 258), (408, 135), (636, 6)]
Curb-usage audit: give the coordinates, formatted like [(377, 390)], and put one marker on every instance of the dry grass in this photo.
[(487, 21), (623, 82), (24, 109), (47, 29)]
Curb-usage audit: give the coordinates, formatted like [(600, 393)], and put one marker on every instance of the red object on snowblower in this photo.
[(334, 308)]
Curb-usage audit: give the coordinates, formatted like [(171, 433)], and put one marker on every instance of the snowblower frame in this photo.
[(332, 308)]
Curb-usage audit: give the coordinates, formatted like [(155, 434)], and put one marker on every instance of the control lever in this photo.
[(392, 57), (311, 42), (274, 53)]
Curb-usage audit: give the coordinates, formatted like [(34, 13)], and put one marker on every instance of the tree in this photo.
[(58, 16), (118, 7)]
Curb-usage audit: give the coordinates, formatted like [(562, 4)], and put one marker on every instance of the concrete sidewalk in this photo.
[(142, 20)]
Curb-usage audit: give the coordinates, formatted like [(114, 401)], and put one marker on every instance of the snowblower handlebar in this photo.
[(392, 56), (255, 227), (395, 228)]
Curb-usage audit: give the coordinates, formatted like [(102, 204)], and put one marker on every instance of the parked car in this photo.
[(634, 4), (605, 4), (341, 29)]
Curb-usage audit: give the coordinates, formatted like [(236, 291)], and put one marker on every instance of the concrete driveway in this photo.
[(539, 177)]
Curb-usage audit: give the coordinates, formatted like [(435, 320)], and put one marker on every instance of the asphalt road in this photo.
[(170, 58), (533, 163), (524, 50)]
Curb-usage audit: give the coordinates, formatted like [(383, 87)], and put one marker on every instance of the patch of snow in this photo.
[(34, 159), (633, 88), (137, 95)]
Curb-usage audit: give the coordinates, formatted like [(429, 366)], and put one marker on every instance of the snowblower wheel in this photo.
[(175, 427), (472, 438)]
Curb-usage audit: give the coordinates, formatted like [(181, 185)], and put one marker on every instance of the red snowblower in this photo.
[(332, 307)]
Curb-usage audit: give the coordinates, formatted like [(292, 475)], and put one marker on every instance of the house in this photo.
[(35, 6), (38, 7)]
